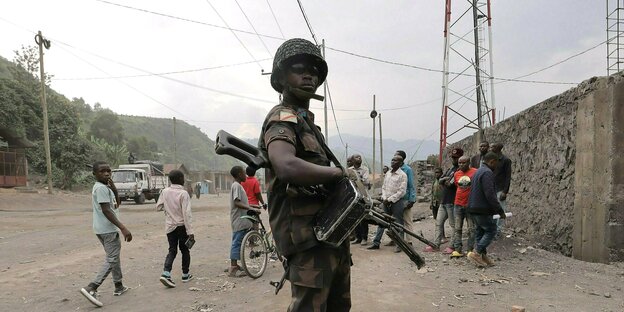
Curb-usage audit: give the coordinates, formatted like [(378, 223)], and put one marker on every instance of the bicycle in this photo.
[(257, 247)]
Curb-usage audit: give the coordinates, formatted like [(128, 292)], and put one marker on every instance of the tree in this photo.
[(27, 59), (142, 148), (106, 126)]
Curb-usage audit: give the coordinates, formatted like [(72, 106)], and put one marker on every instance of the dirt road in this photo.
[(48, 252)]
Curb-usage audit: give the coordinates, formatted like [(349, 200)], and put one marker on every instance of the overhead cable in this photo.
[(170, 78), (123, 82), (235, 35), (252, 27), (164, 73), (275, 18)]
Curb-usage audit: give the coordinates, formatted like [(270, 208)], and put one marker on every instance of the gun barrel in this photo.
[(228, 144)]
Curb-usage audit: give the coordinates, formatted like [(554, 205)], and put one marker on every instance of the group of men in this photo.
[(471, 191), (398, 195)]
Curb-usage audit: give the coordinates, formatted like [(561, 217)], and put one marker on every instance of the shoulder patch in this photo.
[(287, 116)]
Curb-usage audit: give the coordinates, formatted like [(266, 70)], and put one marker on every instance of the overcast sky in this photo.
[(94, 39)]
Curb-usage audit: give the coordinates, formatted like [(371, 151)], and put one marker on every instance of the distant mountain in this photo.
[(416, 149)]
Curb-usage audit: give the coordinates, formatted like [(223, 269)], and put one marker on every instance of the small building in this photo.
[(13, 162)]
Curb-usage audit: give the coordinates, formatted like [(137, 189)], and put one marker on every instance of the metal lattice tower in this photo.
[(468, 69), (615, 36)]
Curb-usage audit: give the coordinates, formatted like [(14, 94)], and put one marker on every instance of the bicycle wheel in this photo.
[(274, 254), (254, 254)]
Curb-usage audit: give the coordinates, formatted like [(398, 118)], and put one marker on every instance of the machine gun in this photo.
[(227, 144)]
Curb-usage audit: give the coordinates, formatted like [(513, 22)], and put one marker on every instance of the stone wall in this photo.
[(542, 144)]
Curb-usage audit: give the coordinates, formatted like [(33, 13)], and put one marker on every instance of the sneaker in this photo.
[(448, 250), (357, 241), (364, 242), (477, 259), (373, 247), (430, 249), (487, 260), (456, 254), (397, 249), (390, 243), (187, 277), (167, 281), (120, 290), (92, 295), (444, 241)]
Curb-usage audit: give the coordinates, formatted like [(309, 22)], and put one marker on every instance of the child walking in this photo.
[(105, 226), (176, 203)]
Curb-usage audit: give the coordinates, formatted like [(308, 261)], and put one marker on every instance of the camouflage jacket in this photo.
[(292, 218)]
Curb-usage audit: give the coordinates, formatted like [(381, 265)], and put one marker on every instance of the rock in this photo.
[(540, 273), (607, 295), (195, 289), (522, 250), (517, 309)]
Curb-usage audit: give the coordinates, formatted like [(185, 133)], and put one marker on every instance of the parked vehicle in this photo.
[(140, 181)]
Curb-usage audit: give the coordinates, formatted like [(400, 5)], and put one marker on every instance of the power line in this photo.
[(352, 53), (441, 71), (171, 79), (275, 18), (123, 82), (252, 27), (164, 73), (186, 19), (331, 103), (305, 17), (234, 33)]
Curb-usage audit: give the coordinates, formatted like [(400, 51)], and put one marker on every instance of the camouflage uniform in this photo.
[(319, 274)]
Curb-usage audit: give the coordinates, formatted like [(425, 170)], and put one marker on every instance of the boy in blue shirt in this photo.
[(105, 226)]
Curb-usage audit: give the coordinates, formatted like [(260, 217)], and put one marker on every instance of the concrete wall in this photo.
[(566, 179)]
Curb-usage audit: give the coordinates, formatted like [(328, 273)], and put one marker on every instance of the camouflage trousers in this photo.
[(320, 279)]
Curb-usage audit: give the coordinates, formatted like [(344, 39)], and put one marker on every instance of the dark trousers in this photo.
[(361, 231), (485, 230), (176, 239), (320, 279)]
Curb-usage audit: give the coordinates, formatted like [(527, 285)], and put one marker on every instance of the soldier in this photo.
[(319, 274)]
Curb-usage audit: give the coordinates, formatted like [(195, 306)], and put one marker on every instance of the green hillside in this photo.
[(194, 149), (81, 133)]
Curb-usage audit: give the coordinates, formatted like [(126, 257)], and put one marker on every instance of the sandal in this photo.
[(235, 271)]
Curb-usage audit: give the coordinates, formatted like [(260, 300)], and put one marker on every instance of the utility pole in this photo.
[(346, 151), (373, 114), (41, 42), (175, 143), (325, 101), (380, 149)]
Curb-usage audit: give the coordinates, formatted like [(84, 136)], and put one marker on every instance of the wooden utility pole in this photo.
[(373, 114), (346, 151), (380, 149), (175, 143), (41, 42)]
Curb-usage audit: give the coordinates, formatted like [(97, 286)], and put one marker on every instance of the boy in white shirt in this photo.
[(176, 203)]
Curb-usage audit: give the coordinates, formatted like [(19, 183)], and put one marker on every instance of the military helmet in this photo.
[(292, 49)]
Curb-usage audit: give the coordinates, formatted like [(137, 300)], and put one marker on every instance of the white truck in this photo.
[(140, 181)]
